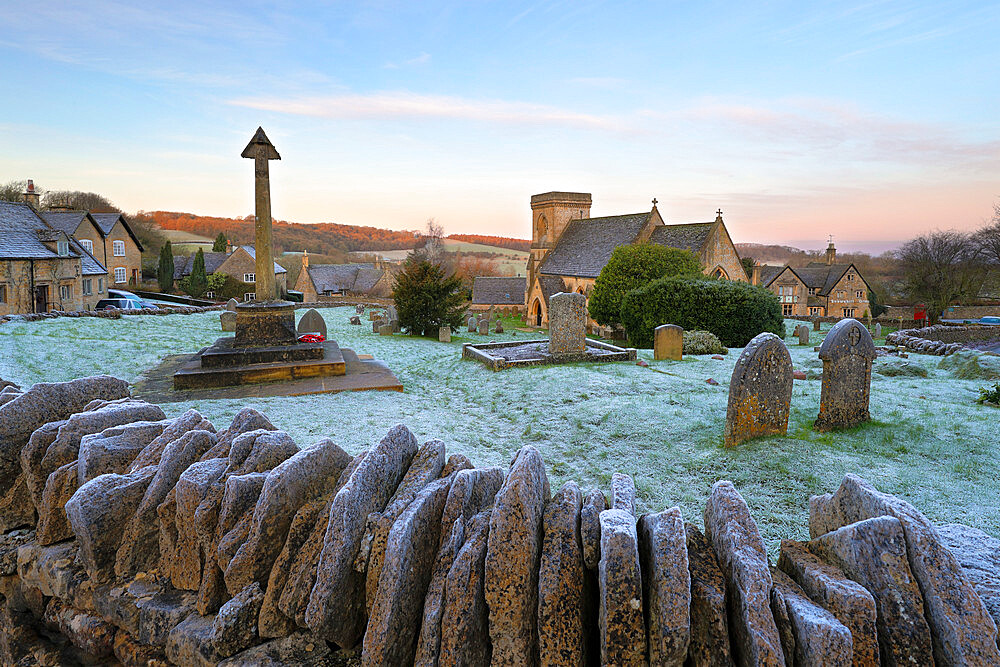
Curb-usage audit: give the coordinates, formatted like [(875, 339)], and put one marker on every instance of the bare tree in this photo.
[(84, 201), (988, 239), (13, 191), (433, 248), (942, 267)]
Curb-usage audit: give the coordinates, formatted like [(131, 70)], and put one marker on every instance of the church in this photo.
[(569, 248)]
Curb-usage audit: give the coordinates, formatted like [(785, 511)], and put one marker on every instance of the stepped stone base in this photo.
[(270, 364), (262, 324)]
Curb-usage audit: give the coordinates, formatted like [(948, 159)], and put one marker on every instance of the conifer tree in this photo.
[(165, 272)]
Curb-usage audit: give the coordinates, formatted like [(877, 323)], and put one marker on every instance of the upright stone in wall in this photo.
[(743, 559), (567, 324), (810, 634), (709, 634), (760, 391), (666, 584), (847, 353), (962, 629), (560, 582), (621, 627), (668, 342), (512, 560), (312, 323)]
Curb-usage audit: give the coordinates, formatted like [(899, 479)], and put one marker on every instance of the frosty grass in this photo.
[(928, 442)]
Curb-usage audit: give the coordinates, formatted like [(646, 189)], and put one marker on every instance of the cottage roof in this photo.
[(586, 244), (359, 278), (493, 290), (106, 221), (23, 233), (688, 236), (213, 260), (66, 221), (820, 276), (768, 273)]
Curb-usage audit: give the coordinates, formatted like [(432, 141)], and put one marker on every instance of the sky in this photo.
[(871, 122)]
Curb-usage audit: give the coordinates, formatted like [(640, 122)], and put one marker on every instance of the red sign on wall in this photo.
[(920, 312)]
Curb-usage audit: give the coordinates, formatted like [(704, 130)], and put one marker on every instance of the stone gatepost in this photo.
[(567, 324), (803, 335), (760, 391), (444, 334), (668, 342), (847, 353)]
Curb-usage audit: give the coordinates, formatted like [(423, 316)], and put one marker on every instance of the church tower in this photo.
[(551, 212)]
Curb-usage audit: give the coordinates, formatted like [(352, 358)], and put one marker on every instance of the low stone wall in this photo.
[(352, 300), (151, 541), (972, 312), (943, 339), (115, 314)]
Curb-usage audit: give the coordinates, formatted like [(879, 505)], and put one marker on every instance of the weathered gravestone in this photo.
[(803, 335), (228, 319), (444, 334), (484, 327), (760, 391), (312, 323), (668, 342), (567, 324), (394, 323), (231, 305), (359, 309), (878, 330), (815, 325), (385, 330), (847, 353), (355, 320), (472, 324), (499, 327), (376, 323)]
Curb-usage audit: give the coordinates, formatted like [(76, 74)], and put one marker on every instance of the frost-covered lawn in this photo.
[(663, 424)]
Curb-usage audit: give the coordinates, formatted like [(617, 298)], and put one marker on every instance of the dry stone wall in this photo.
[(133, 539), (942, 339)]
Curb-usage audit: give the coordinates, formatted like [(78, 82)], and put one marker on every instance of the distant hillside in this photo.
[(770, 254), (497, 241), (326, 238)]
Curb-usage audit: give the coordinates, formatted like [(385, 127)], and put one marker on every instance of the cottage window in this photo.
[(786, 309), (62, 247), (88, 245), (120, 274), (860, 294), (249, 277), (250, 296), (100, 285), (850, 277), (818, 312), (209, 294), (118, 248), (3, 294), (88, 286), (65, 292), (848, 312), (812, 291)]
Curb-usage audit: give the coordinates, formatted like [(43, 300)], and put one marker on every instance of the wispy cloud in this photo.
[(417, 61), (390, 104)]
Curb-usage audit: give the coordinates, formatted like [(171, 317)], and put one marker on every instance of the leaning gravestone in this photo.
[(228, 319), (231, 305), (668, 342), (760, 391), (444, 334), (567, 324), (803, 335), (312, 322), (847, 353)]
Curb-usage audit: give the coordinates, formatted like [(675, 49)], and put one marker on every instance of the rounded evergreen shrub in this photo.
[(733, 311), (632, 267)]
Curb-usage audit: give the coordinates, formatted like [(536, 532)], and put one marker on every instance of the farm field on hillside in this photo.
[(929, 441)]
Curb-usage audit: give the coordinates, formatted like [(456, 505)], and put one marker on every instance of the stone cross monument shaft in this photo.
[(261, 150)]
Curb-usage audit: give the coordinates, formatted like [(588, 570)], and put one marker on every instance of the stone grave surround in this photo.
[(127, 534)]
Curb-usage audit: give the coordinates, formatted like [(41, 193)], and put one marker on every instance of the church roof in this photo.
[(493, 290), (586, 245), (551, 285), (690, 236)]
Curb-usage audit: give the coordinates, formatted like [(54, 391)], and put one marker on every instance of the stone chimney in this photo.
[(229, 247), (831, 254), (31, 196), (305, 259), (755, 274)]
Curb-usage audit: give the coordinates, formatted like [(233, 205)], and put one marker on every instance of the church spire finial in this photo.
[(718, 214), (654, 202)]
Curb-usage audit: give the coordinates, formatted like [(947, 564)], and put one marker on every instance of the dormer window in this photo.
[(62, 248)]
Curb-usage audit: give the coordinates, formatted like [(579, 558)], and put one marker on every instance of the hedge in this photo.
[(733, 311)]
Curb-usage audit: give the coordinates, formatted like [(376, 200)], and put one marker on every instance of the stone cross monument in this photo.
[(262, 151), (265, 321)]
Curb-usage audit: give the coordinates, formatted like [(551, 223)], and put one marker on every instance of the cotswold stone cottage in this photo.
[(569, 248), (43, 268), (819, 289), (239, 262), (108, 237), (326, 280)]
